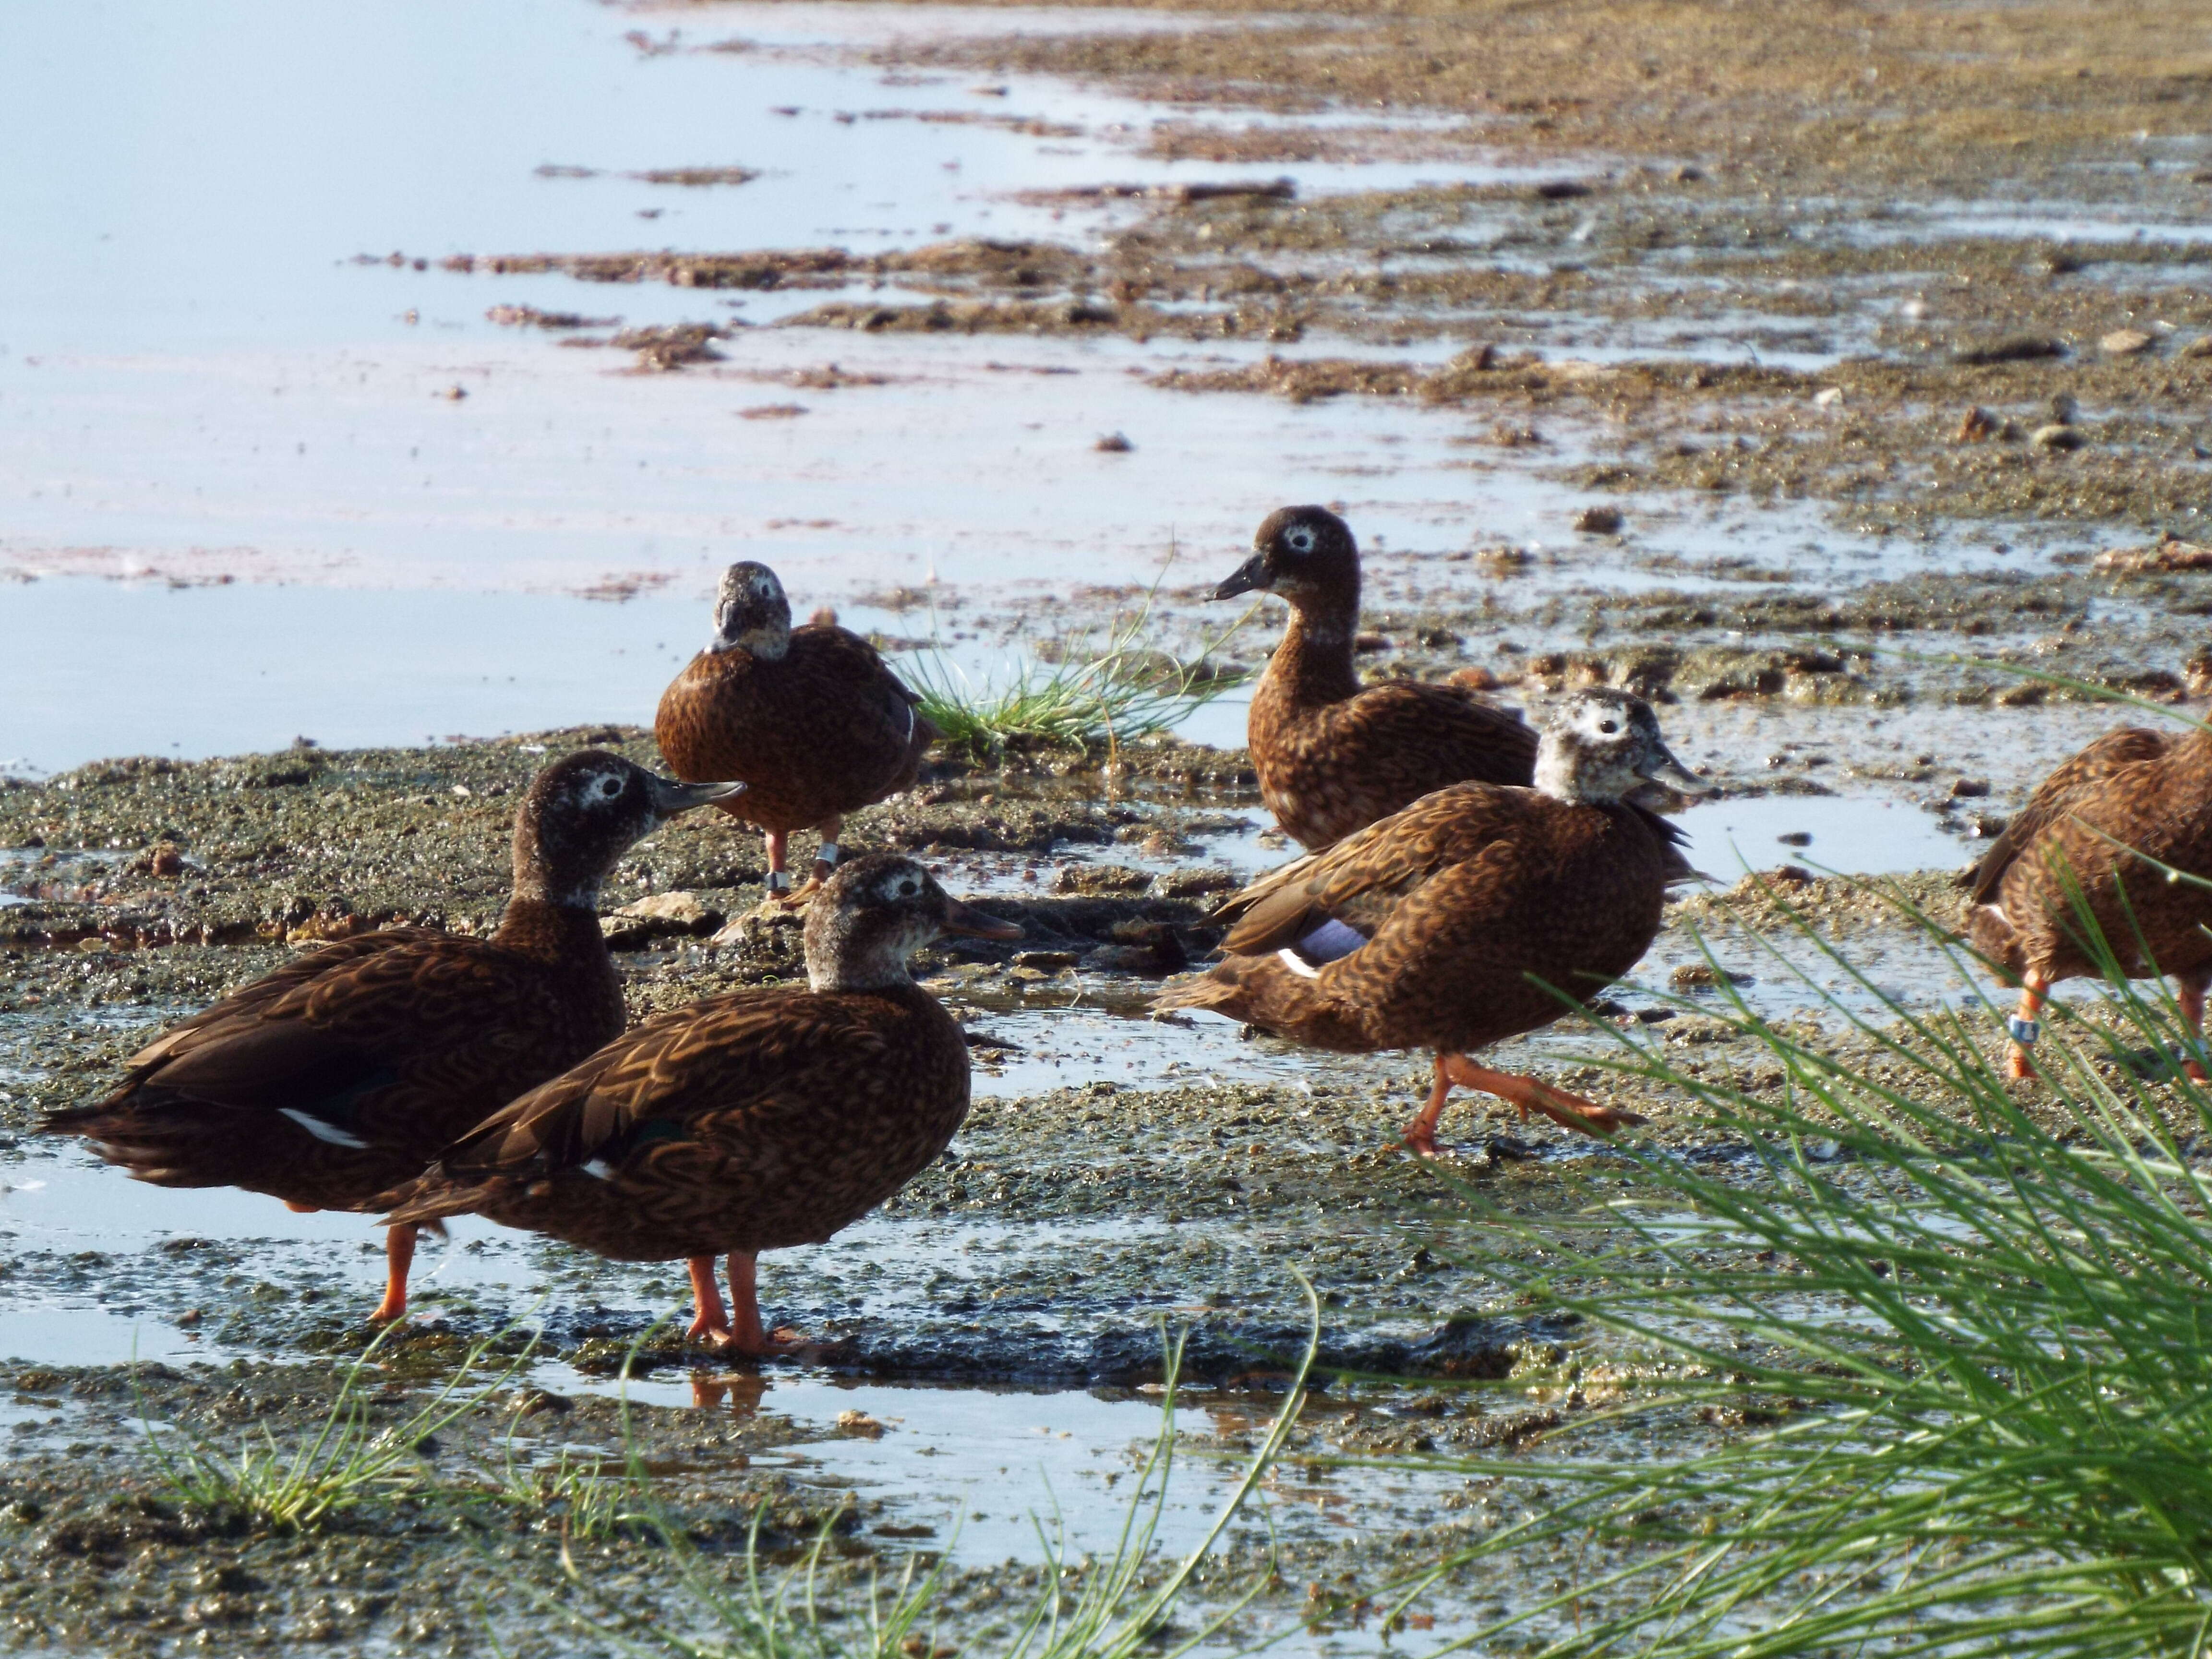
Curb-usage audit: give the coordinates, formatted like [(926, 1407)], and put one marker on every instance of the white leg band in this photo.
[(828, 855), (779, 881)]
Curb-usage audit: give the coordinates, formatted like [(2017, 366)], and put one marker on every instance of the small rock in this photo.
[(1986, 826), (1561, 190), (2064, 439), (1093, 878), (1114, 443), (1796, 838), (1702, 976), (1828, 398), (1599, 521), (453, 394), (1196, 883), (860, 1423), (2012, 348), (1476, 679), (1370, 643), (1049, 961), (2170, 552), (658, 915), (2126, 343), (1969, 788), (165, 860), (2199, 347), (1976, 426), (540, 1402)]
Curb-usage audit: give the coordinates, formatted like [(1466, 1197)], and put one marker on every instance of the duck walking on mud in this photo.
[(345, 1071), (808, 718), (2069, 859), (1332, 756), (750, 1122), (1463, 919)]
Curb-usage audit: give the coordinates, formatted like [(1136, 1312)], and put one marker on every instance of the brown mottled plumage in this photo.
[(2148, 791), (747, 1122), (809, 719), (1443, 926), (347, 1070), (1332, 756)]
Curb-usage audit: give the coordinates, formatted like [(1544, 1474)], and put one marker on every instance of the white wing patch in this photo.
[(327, 1133), (600, 1168), (1298, 964)]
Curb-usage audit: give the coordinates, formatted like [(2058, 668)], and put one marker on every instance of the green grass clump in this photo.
[(348, 1462), (1962, 1332), (1092, 694)]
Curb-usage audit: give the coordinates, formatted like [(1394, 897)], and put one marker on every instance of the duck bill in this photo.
[(1250, 577), (670, 798), (1664, 767), (974, 924)]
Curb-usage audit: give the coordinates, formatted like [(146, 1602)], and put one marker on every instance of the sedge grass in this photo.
[(348, 1461), (1976, 1322), (1094, 693)]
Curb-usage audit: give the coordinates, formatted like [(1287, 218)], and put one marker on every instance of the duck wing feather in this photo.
[(2073, 785), (1364, 878)]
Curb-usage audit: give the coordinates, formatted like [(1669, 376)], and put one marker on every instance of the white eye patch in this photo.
[(1300, 540)]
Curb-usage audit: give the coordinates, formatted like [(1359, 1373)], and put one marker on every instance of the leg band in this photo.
[(827, 853), (779, 881), (2024, 1032)]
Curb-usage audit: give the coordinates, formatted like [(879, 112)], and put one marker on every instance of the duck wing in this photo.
[(1364, 879), (1410, 737), (2071, 786), (732, 1068)]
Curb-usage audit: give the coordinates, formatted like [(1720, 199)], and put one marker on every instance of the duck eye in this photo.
[(908, 889), (1608, 727), (611, 788), (1300, 539)]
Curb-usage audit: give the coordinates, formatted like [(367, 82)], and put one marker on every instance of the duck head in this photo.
[(583, 812), (751, 613), (874, 913), (1600, 745), (1305, 554)]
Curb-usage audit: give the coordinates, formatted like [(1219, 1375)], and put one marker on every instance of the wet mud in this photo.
[(1841, 352)]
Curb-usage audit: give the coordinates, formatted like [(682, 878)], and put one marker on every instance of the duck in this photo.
[(758, 1120), (352, 1066), (1332, 756), (1465, 918), (2132, 788), (810, 719)]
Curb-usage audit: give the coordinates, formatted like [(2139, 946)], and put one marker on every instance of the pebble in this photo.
[(2124, 343), (1702, 976), (1599, 521), (2064, 439), (1969, 788)]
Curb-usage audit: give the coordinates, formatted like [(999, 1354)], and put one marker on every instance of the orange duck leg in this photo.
[(1528, 1093), (2191, 996), (2025, 1027), (739, 1328), (399, 1259)]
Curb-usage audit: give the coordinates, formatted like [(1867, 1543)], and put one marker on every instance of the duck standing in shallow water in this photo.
[(351, 1067), (809, 719), (1458, 921), (2134, 788), (751, 1122), (1333, 755)]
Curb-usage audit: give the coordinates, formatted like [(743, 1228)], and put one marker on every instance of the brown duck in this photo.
[(1458, 921), (2133, 788), (1333, 755), (809, 719), (347, 1069), (747, 1122)]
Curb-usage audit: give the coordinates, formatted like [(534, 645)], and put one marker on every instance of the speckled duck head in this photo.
[(874, 913), (1599, 746), (582, 813), (751, 613), (1305, 554)]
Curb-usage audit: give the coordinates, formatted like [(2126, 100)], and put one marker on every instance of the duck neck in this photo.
[(1314, 663), (537, 927)]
